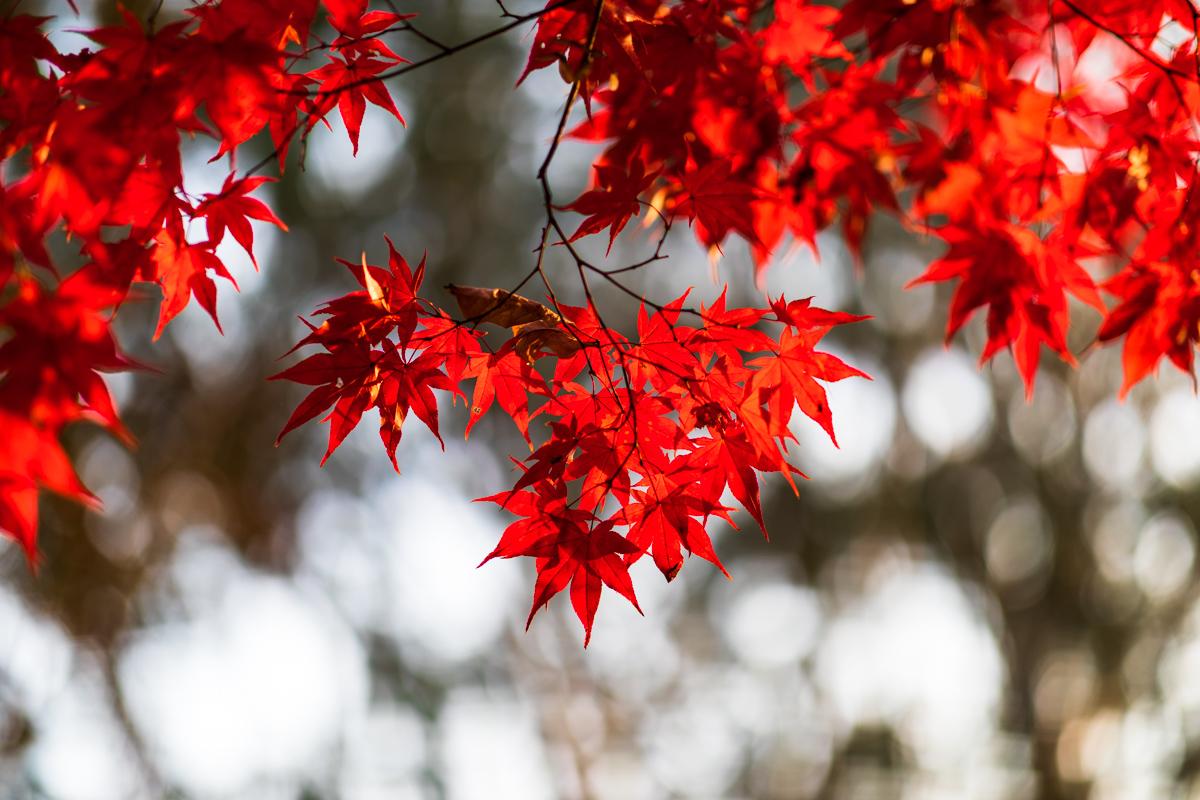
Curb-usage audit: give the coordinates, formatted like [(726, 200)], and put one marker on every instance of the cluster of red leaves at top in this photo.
[(90, 148), (1032, 137), (1050, 145)]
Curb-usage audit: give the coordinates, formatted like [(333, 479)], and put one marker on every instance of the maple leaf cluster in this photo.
[(1050, 145), (646, 434), (90, 148)]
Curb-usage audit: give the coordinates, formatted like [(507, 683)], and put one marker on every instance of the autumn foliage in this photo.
[(1051, 145)]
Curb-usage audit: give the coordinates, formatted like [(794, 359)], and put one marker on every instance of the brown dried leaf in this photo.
[(532, 338), (499, 307)]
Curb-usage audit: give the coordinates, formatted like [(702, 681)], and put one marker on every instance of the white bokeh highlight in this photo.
[(947, 402), (913, 652), (257, 683), (1175, 438), (772, 624), (1114, 442), (331, 159), (490, 746), (441, 603)]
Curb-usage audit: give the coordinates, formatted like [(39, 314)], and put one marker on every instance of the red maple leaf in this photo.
[(570, 548), (612, 202), (349, 82), (31, 458), (663, 520), (232, 209), (791, 377), (718, 203), (505, 377), (181, 269)]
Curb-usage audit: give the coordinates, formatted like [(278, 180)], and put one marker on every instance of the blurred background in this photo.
[(976, 597)]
